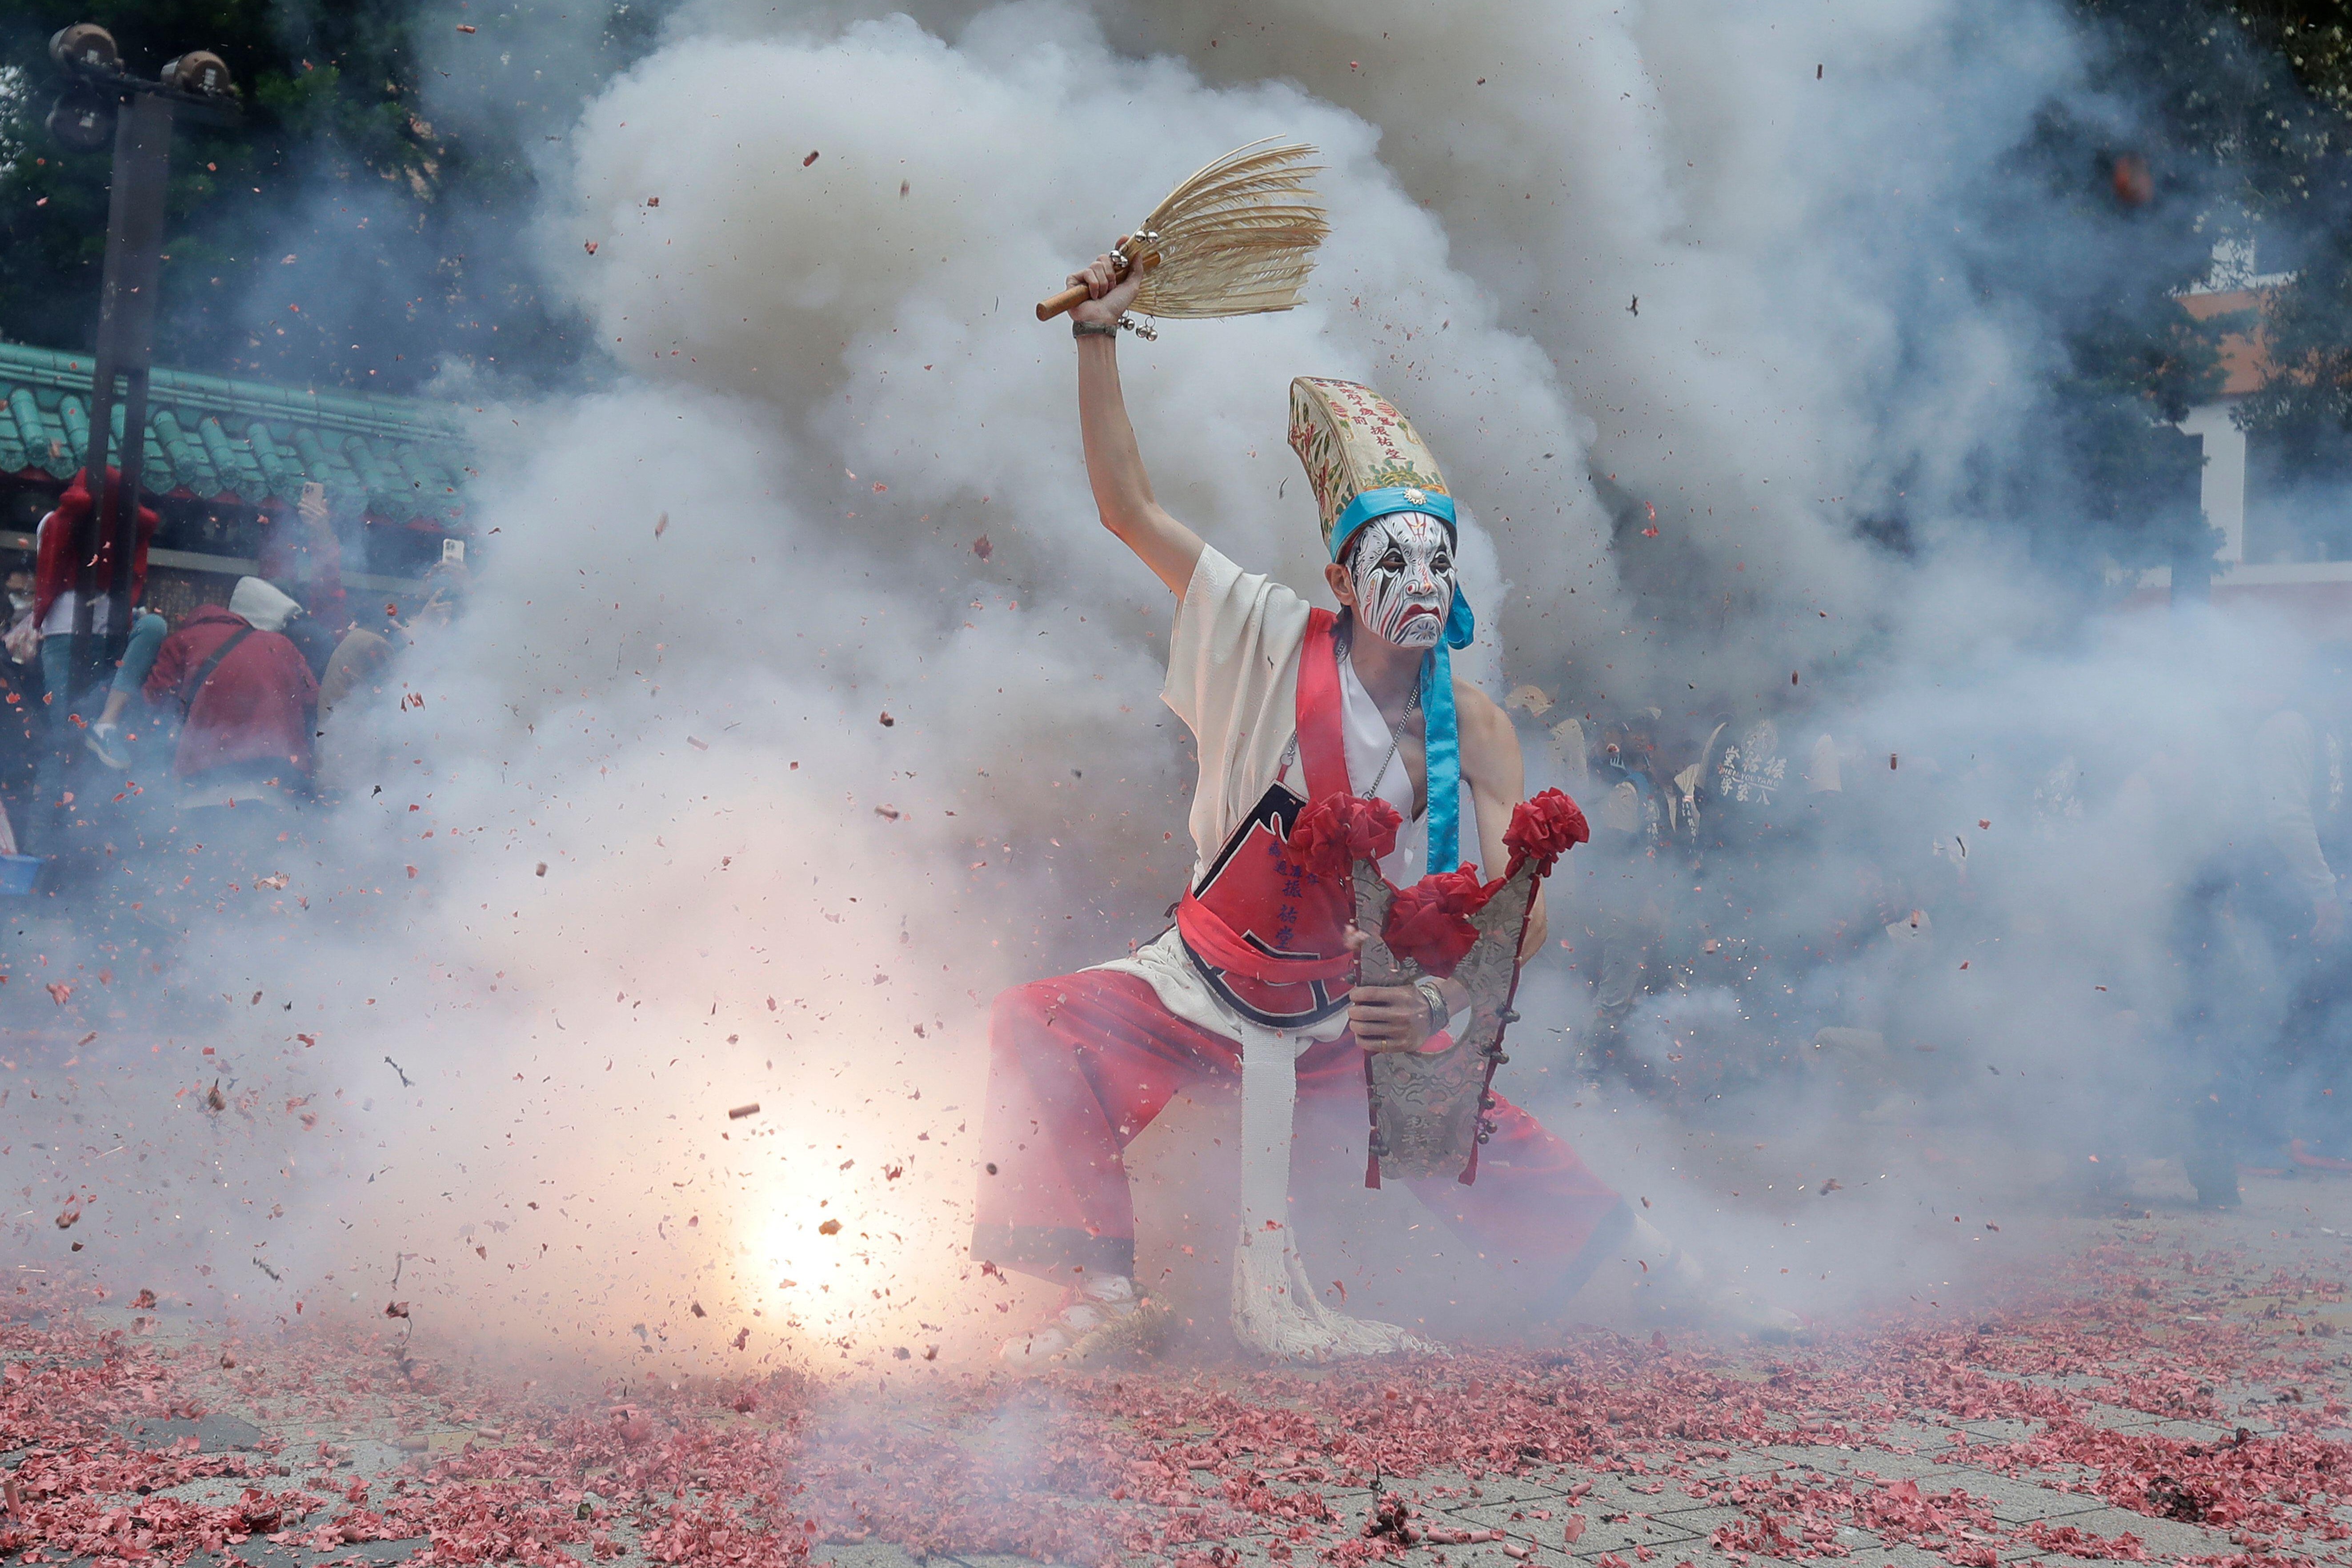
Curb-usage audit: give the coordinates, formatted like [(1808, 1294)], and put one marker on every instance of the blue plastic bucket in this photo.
[(19, 874)]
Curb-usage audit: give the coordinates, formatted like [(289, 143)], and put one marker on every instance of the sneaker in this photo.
[(1035, 1349), (105, 743), (1143, 1333), (1097, 1319)]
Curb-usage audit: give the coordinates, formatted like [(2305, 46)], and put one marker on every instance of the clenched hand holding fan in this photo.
[(1235, 239)]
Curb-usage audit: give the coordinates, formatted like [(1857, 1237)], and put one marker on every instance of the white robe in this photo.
[(1233, 677)]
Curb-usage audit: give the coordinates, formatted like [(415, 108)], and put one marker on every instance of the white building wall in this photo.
[(2222, 489)]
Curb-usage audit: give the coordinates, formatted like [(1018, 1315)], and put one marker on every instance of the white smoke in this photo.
[(742, 674)]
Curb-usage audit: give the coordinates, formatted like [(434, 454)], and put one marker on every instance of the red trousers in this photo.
[(1078, 1066)]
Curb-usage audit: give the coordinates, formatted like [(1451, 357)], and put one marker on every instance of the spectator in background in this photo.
[(351, 735), (447, 582), (303, 557), (358, 659), (69, 675), (1629, 892), (246, 700), (23, 638), (105, 738), (20, 693), (2295, 895), (315, 640), (351, 694)]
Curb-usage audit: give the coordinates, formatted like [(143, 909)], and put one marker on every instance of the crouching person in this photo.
[(246, 704)]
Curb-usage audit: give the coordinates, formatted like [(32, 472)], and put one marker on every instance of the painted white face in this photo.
[(1403, 567)]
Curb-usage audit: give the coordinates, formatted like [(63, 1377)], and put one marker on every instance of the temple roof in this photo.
[(211, 438)]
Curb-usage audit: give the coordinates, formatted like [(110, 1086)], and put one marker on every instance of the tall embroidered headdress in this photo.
[(1365, 461)]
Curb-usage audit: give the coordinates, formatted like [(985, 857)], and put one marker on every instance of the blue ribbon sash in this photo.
[(1443, 742)]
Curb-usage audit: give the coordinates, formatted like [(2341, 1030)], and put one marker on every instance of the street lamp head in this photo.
[(82, 120), (202, 73), (86, 47)]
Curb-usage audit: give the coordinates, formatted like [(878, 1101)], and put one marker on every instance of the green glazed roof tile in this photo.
[(215, 437)]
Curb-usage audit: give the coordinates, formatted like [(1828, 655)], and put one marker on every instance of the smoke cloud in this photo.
[(800, 703)]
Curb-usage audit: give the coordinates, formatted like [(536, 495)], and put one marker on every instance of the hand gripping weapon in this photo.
[(1429, 1108)]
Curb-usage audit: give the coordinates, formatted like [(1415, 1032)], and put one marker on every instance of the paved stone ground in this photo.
[(1667, 1517)]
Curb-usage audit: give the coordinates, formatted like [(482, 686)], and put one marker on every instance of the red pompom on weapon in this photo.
[(1429, 1108), (1425, 927), (1544, 829), (1429, 922), (1462, 888), (1339, 830)]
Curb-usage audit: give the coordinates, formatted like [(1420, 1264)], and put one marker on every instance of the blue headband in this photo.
[(1380, 503), (1444, 742)]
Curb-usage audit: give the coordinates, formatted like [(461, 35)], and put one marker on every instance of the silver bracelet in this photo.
[(1433, 997), (1105, 329)]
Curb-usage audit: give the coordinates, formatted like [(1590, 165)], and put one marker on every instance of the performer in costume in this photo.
[(1290, 704)]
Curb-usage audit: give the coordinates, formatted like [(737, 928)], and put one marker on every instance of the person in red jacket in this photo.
[(246, 700), (70, 689)]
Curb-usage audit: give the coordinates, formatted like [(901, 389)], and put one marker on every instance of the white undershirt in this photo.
[(1368, 737), (59, 621), (61, 614)]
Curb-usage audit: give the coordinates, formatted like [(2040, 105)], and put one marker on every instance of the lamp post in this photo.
[(99, 97)]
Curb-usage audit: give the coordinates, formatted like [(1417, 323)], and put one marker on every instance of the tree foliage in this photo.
[(359, 227), (339, 235), (2214, 128)]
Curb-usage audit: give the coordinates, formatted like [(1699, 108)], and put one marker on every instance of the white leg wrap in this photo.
[(1276, 1310)]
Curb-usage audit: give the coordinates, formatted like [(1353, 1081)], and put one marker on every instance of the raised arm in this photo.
[(1114, 463)]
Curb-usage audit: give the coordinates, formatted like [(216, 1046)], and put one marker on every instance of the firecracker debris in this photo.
[(2171, 1387)]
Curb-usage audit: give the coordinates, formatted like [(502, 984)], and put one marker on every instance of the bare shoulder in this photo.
[(1487, 734)]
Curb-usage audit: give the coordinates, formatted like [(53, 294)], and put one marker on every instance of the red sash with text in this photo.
[(1268, 936)]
